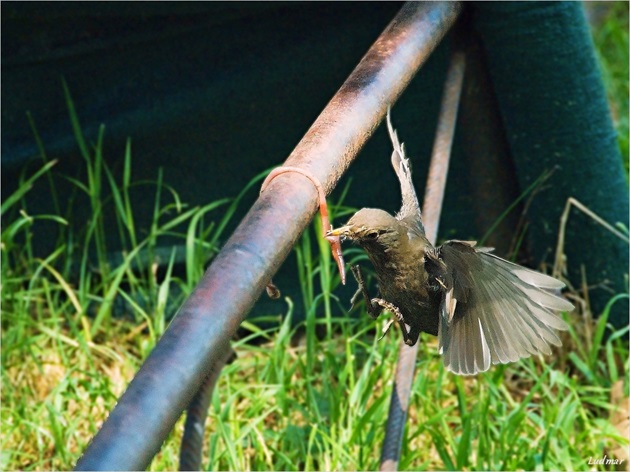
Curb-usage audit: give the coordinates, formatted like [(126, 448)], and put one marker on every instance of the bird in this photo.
[(484, 309)]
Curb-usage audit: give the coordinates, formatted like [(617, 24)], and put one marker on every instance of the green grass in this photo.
[(610, 35), (319, 404), (314, 396), (308, 418)]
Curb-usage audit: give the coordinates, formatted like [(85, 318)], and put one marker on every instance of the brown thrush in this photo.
[(484, 309)]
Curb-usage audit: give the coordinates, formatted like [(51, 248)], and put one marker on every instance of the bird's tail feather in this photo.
[(410, 205)]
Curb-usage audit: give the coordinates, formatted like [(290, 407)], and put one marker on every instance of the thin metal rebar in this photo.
[(191, 448), (431, 209), (199, 335)]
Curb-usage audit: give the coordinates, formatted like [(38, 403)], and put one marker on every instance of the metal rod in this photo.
[(199, 335), (191, 449), (431, 209)]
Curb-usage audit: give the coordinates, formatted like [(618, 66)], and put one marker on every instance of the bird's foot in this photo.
[(385, 305), (394, 310)]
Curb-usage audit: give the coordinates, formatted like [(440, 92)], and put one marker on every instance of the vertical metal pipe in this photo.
[(431, 209), (440, 157), (200, 333)]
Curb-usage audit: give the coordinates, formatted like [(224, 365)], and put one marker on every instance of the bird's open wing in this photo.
[(410, 210), (494, 311)]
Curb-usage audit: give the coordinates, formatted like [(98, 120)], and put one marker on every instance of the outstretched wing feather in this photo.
[(502, 311)]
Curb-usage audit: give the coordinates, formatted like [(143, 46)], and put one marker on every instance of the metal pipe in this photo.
[(431, 209), (191, 449), (200, 333)]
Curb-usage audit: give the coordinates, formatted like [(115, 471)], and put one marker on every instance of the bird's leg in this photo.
[(373, 309), (394, 310), (385, 305)]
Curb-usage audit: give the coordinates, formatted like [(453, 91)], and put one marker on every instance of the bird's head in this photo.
[(370, 227)]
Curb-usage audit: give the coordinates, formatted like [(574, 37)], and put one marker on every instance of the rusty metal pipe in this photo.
[(431, 209), (200, 333)]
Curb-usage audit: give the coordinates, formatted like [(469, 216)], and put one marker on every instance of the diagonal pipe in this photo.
[(199, 335), (431, 209)]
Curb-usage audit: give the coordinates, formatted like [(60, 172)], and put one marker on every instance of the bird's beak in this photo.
[(342, 231)]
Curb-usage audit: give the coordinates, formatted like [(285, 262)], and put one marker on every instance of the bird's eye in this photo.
[(372, 235)]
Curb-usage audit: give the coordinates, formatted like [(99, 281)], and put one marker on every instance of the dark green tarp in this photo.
[(214, 93)]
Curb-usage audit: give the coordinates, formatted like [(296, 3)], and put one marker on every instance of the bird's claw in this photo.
[(394, 310), (385, 305), (386, 328)]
